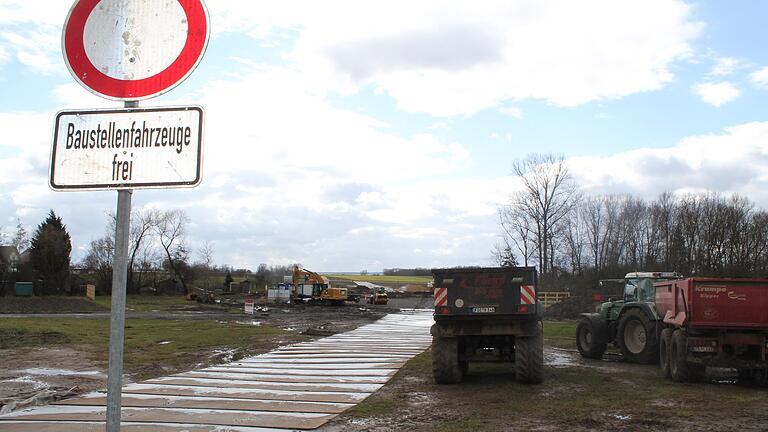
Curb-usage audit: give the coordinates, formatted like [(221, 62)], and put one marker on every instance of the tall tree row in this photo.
[(552, 226)]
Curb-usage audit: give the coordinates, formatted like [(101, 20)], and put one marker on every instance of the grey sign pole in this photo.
[(117, 320)]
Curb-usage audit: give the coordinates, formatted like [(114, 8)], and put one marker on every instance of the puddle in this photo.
[(559, 359), (253, 323), (164, 343), (226, 356), (60, 372), (420, 399), (28, 380)]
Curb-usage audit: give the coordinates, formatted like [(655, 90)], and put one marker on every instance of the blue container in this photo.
[(24, 289)]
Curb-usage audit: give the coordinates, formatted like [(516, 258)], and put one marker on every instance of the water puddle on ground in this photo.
[(559, 359), (60, 372)]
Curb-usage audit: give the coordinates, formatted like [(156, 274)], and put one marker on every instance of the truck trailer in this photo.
[(713, 322), (487, 314)]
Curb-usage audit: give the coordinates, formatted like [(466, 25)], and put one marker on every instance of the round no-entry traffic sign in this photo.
[(134, 49)]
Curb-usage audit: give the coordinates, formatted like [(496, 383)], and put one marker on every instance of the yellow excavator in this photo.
[(312, 286)]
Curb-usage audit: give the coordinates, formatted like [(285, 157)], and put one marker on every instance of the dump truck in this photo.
[(629, 323), (487, 314), (378, 296), (713, 322)]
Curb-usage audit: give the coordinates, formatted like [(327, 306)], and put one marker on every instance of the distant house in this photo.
[(9, 258)]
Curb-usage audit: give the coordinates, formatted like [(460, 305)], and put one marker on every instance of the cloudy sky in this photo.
[(350, 135)]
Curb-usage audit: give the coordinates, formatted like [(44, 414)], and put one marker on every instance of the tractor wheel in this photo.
[(665, 342), (679, 368), (637, 338), (529, 357), (445, 360), (588, 340)]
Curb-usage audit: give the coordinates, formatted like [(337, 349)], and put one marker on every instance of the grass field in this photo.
[(382, 279), (152, 347)]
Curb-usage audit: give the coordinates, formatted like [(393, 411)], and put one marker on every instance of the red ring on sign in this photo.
[(86, 73)]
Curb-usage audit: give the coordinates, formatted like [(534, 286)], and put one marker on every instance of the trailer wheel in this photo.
[(588, 340), (445, 360), (529, 357), (665, 342), (679, 368), (637, 338)]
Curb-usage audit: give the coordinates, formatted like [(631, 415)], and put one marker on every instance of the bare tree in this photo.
[(99, 259), (20, 237), (142, 222), (205, 254), (502, 253), (518, 231), (547, 196), (170, 227)]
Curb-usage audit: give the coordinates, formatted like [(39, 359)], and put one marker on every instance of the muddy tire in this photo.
[(445, 360), (637, 338), (679, 368), (588, 340), (665, 342), (529, 357)]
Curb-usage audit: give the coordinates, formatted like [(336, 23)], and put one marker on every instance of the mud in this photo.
[(27, 377)]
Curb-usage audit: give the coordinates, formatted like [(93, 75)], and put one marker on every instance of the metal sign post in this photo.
[(129, 50), (117, 320)]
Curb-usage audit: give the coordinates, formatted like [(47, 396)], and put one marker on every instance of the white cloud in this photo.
[(734, 161), (450, 58), (760, 77), (717, 94), (38, 49), (512, 111), (725, 66)]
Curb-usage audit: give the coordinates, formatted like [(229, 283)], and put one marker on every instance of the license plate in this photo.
[(483, 309)]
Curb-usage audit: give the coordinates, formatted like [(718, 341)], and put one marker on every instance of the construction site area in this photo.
[(364, 362)]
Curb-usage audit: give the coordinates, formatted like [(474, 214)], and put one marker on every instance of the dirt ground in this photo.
[(577, 395)]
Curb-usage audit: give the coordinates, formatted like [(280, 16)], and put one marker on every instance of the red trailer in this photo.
[(713, 322)]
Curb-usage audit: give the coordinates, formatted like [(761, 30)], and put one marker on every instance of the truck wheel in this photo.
[(464, 367), (637, 338), (445, 360), (587, 340), (679, 368), (665, 341), (529, 357)]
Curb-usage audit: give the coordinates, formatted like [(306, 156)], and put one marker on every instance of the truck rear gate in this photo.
[(485, 291)]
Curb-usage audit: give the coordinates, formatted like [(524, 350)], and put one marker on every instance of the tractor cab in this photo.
[(638, 287)]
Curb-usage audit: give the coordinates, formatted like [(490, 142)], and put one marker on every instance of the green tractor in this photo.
[(630, 323)]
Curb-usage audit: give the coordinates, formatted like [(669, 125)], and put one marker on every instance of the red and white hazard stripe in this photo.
[(527, 295), (441, 296)]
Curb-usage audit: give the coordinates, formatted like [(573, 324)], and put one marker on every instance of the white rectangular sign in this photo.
[(131, 148)]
